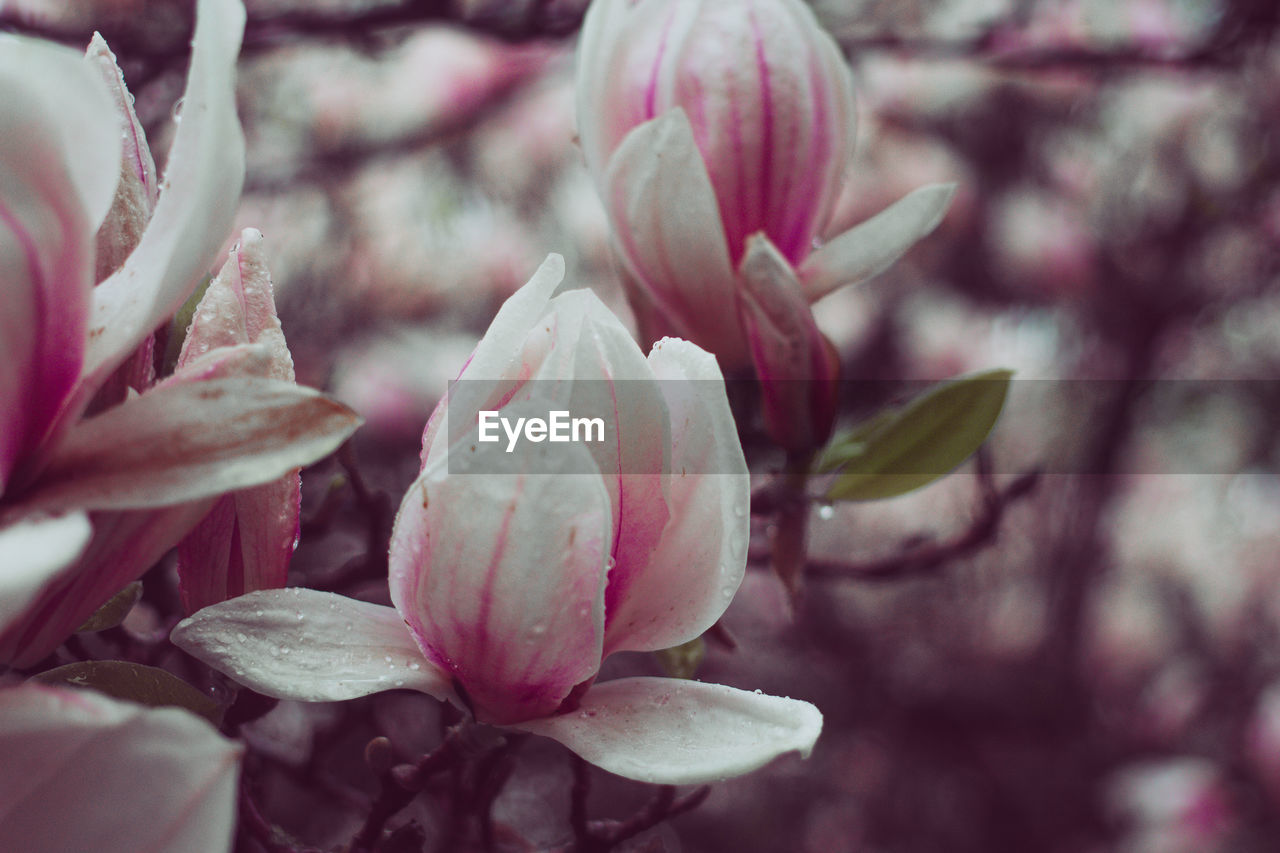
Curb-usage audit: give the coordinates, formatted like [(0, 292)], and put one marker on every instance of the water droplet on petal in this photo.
[(826, 512), (241, 638)]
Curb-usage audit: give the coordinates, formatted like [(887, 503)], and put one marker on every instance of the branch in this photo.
[(982, 532)]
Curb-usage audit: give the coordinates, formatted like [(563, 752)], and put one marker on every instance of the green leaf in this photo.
[(900, 450), (113, 612), (682, 661), (146, 685)]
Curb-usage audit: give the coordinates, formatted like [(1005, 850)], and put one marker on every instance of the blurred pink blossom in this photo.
[(515, 583)]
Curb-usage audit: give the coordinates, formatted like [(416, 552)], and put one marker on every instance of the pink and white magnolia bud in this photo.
[(717, 134)]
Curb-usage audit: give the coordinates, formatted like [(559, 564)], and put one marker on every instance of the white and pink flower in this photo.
[(718, 132), (78, 446), (514, 575)]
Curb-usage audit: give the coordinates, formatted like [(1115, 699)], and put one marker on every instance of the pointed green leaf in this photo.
[(113, 612), (146, 685), (900, 450)]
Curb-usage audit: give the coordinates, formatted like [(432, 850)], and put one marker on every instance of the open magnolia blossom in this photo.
[(514, 575), (79, 448), (717, 132), (82, 771)]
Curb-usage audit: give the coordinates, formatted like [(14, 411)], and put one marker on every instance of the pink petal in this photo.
[(244, 544), (201, 186), (86, 772), (190, 440), (797, 370), (239, 307), (311, 646), (674, 732), (139, 188), (124, 546), (870, 248), (500, 574), (689, 580), (499, 357), (33, 552), (664, 216), (248, 540), (59, 160), (603, 374), (770, 102), (622, 64)]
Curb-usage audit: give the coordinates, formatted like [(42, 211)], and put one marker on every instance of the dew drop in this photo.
[(284, 650), (415, 667), (177, 109), (241, 638), (826, 512), (301, 616)]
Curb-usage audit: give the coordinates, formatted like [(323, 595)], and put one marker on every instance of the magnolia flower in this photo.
[(513, 575), (82, 771), (147, 466), (717, 132)]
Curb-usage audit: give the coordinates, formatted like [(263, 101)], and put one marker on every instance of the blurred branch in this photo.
[(601, 836), (982, 532)]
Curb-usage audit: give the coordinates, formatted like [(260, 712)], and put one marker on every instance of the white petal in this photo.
[(700, 559), (193, 217), (64, 94), (500, 572), (85, 772), (667, 225), (871, 248), (673, 732), (498, 357), (123, 546), (188, 440), (32, 553), (309, 645), (59, 162)]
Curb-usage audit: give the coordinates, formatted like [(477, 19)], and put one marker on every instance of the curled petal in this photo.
[(86, 772), (500, 573), (870, 248), (33, 552), (668, 232), (700, 559), (311, 646), (190, 440), (59, 161), (139, 188), (201, 186), (796, 367), (675, 732)]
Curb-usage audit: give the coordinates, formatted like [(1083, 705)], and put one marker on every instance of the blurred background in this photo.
[(1073, 647)]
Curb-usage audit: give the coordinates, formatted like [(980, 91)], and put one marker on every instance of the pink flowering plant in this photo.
[(511, 585), (160, 645)]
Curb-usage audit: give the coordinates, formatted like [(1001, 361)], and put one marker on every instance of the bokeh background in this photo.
[(1074, 647)]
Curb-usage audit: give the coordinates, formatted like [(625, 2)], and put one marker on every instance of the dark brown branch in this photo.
[(982, 532)]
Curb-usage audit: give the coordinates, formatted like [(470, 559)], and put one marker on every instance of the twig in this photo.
[(982, 532)]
